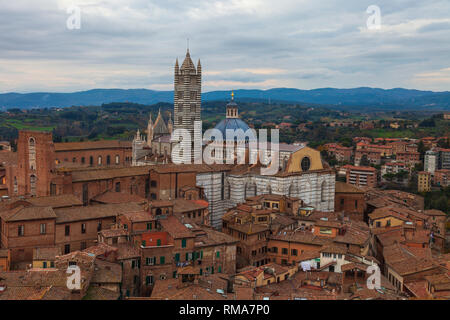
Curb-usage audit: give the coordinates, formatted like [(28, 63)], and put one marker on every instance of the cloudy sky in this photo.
[(241, 43)]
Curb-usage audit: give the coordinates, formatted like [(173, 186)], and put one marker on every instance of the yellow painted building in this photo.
[(45, 257), (424, 181)]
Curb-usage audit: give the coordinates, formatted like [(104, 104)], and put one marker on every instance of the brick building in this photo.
[(410, 158), (252, 222), (366, 156), (441, 177), (350, 200)]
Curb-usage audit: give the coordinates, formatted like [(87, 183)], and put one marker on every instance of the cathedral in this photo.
[(302, 173)]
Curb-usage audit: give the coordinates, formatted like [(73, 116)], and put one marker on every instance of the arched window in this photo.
[(99, 160), (305, 164), (285, 162), (117, 159), (323, 189), (16, 189), (32, 153), (91, 160), (108, 159), (250, 190), (33, 185), (293, 191)]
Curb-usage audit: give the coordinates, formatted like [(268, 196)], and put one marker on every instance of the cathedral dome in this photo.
[(231, 124)]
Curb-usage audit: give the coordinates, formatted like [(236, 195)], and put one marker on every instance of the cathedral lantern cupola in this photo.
[(232, 108)]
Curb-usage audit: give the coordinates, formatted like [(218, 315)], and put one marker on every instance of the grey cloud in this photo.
[(135, 43)]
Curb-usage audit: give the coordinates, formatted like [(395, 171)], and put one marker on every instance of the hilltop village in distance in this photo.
[(115, 205)]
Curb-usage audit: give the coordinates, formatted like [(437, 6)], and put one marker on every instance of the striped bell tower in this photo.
[(187, 99)]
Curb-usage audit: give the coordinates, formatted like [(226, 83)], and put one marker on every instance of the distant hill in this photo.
[(366, 98)]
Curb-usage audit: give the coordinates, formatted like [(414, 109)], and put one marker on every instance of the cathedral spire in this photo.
[(170, 123), (150, 131)]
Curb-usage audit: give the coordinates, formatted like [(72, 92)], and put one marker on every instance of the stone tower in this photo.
[(187, 98)]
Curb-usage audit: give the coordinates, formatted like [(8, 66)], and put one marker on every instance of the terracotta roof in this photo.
[(60, 201), (94, 212), (328, 223), (118, 197), (127, 251), (418, 289), (101, 249), (434, 212), (249, 228), (212, 237), (353, 265), (342, 187), (301, 237), (439, 281), (405, 260), (182, 205), (168, 290), (109, 173), (138, 216), (354, 235), (90, 145), (106, 272), (100, 293), (387, 212), (22, 213), (175, 228), (308, 255)]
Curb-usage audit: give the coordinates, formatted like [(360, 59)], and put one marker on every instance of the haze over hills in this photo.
[(367, 98)]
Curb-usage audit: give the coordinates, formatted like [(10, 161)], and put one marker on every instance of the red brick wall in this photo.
[(350, 203), (169, 184), (123, 153), (76, 237), (22, 246), (45, 162)]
